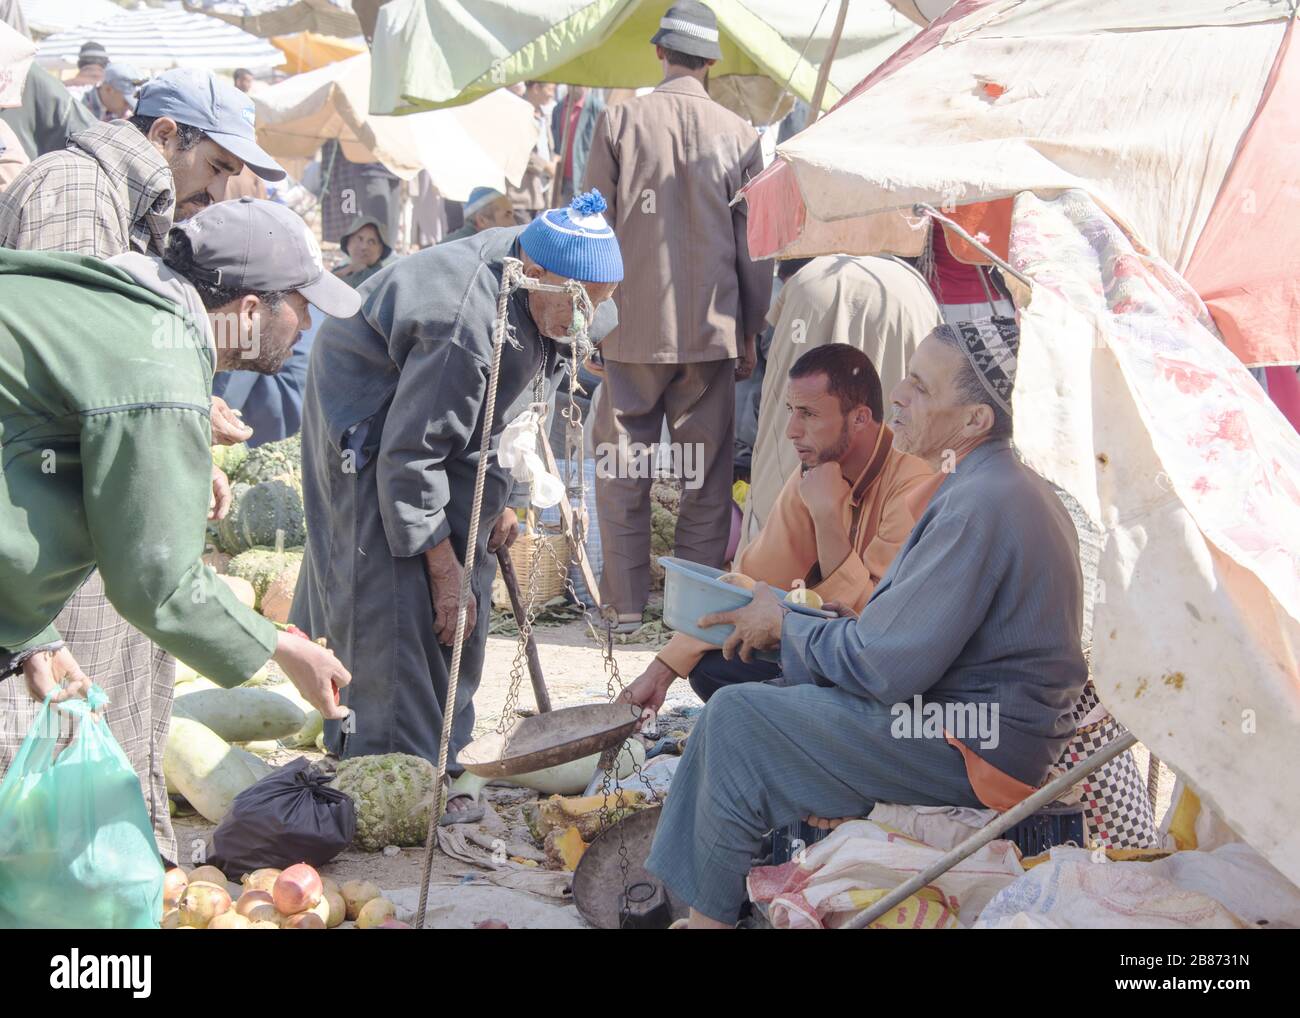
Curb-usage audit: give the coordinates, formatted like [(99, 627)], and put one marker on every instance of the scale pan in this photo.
[(598, 880), (545, 740)]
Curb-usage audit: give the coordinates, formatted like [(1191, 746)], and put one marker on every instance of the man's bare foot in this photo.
[(699, 921), (825, 824)]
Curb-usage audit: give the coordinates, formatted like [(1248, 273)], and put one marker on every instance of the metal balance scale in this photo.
[(552, 737)]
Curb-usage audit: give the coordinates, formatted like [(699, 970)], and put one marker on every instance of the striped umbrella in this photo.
[(47, 16), (158, 39)]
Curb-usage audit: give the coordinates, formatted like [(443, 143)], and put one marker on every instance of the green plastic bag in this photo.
[(77, 849)]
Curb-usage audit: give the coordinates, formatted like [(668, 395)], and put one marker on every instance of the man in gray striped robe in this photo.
[(953, 686)]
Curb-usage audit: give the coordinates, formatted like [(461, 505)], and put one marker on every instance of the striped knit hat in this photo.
[(689, 27), (575, 242)]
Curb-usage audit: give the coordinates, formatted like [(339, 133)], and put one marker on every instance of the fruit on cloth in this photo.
[(804, 596), (229, 921), (260, 566), (206, 769), (242, 714), (201, 903), (374, 912), (269, 514), (303, 921), (572, 777), (270, 460), (263, 912), (564, 848), (261, 880), (338, 910), (392, 793), (210, 874), (737, 580), (356, 893), (583, 813), (241, 588), (297, 889), (250, 900), (174, 883)]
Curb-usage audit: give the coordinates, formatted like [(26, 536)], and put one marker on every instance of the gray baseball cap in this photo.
[(258, 245), (218, 109), (126, 78)]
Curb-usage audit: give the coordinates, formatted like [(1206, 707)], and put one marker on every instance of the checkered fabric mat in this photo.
[(1116, 805)]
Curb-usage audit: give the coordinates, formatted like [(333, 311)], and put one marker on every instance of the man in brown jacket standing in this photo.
[(690, 307)]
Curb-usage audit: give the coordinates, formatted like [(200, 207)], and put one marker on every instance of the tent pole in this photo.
[(566, 145), (995, 827), (824, 72)]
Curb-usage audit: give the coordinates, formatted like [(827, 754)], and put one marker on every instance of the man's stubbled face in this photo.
[(199, 175)]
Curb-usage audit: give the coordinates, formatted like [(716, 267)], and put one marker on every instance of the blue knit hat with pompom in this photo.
[(575, 242)]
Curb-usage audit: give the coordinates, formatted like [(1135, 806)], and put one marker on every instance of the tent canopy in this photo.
[(158, 39), (16, 54), (484, 143), (1183, 129), (308, 51), (1096, 187), (266, 18), (432, 53)]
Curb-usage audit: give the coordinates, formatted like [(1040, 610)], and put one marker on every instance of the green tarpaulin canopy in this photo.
[(434, 53)]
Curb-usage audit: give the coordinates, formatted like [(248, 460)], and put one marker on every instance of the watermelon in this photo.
[(271, 460), (269, 514)]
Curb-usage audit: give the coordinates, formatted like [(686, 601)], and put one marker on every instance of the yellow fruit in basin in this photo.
[(737, 580), (805, 597)]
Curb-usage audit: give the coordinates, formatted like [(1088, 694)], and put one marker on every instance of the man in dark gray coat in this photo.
[(953, 687), (392, 424)]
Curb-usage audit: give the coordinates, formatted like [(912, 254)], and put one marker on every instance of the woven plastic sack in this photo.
[(77, 849)]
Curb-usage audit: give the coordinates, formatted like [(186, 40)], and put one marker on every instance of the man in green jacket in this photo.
[(105, 384)]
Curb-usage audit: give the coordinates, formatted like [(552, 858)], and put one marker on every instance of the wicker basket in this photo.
[(552, 566)]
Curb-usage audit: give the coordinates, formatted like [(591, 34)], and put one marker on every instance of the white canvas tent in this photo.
[(484, 143)]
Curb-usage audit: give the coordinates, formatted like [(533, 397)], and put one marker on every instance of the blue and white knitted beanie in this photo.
[(575, 242)]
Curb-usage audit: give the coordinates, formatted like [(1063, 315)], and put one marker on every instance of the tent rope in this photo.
[(512, 279)]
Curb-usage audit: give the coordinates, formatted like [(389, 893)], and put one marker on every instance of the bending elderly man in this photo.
[(952, 687), (392, 425)]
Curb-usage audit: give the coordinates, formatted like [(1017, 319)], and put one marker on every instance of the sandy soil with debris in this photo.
[(573, 665)]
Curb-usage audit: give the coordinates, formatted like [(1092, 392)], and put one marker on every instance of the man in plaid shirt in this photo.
[(115, 189)]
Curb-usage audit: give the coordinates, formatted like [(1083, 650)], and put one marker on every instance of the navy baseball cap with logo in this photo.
[(260, 246), (218, 109)]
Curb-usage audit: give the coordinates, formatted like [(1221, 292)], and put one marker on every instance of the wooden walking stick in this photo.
[(511, 581)]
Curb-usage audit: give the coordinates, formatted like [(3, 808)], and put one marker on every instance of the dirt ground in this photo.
[(573, 665)]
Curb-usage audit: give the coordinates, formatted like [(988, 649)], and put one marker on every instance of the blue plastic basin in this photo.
[(692, 591)]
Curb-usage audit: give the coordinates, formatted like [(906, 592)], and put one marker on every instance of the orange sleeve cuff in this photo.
[(683, 652), (850, 584)]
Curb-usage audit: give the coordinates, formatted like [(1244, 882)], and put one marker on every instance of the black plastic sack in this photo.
[(288, 817)]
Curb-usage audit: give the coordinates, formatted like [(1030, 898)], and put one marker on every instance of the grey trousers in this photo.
[(698, 401), (763, 756)]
